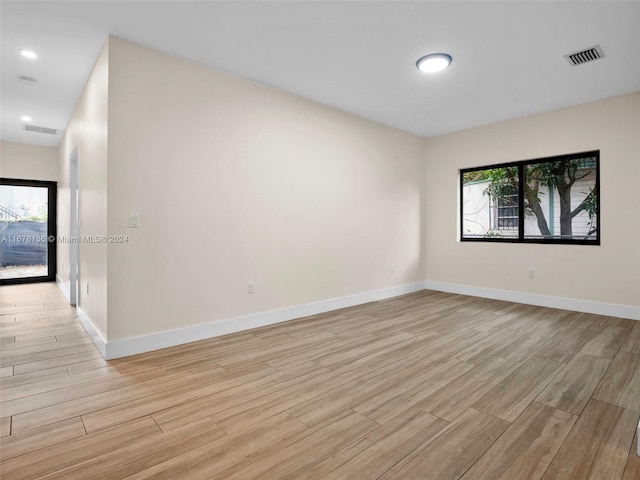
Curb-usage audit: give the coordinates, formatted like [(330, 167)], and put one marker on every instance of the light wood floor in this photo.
[(425, 386)]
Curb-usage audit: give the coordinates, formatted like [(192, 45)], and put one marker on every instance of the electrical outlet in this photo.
[(532, 273), (251, 287), (392, 268), (87, 288)]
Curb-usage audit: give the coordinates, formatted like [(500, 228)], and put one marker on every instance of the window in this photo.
[(547, 200), (508, 209)]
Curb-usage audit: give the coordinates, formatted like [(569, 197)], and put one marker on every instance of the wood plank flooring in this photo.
[(424, 386)]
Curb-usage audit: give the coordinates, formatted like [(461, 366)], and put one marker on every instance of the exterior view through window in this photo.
[(548, 200), (27, 231)]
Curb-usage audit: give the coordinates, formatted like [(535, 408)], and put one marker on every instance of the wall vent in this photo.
[(585, 56), (37, 129)]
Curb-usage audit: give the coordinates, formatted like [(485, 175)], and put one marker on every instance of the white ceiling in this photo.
[(508, 57)]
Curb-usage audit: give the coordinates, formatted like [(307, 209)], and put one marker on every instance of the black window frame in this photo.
[(521, 211), (52, 199)]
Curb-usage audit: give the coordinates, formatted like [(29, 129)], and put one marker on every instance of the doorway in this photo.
[(27, 231), (73, 227)]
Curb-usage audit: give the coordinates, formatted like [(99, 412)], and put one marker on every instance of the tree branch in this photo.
[(582, 205)]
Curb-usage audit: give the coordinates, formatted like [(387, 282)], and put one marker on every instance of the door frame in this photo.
[(74, 227), (52, 199)]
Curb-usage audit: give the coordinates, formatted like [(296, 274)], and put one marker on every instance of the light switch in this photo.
[(134, 220)]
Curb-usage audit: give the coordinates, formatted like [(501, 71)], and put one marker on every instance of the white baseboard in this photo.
[(170, 338), (63, 288), (598, 308), (94, 333), (155, 341)]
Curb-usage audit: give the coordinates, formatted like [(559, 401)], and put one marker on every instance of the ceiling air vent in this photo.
[(37, 129), (585, 56)]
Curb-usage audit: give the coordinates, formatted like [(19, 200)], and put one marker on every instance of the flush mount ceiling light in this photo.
[(434, 62), (28, 54), (25, 118)]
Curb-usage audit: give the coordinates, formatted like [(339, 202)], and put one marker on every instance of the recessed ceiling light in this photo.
[(28, 54), (434, 62), (25, 118)]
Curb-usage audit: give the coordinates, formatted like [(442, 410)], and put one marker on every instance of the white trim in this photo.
[(63, 288), (587, 306), (170, 338), (155, 341), (73, 226), (94, 333)]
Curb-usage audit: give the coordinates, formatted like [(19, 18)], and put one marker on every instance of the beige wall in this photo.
[(87, 131), (28, 162), (237, 182), (609, 273)]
